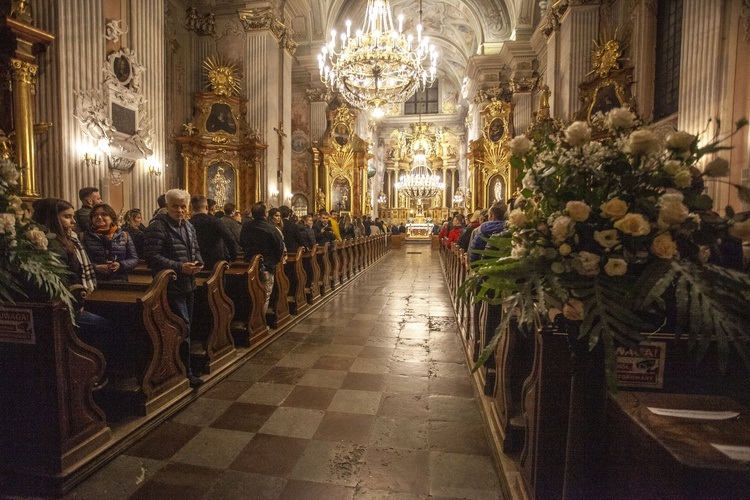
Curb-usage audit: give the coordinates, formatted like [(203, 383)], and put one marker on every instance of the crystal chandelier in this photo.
[(382, 198), (379, 65), (420, 183)]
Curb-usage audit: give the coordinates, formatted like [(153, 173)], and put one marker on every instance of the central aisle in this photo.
[(369, 397)]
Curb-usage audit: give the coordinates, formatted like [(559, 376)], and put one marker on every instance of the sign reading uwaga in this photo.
[(642, 367), (17, 326)]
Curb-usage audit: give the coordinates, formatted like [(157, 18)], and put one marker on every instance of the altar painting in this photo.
[(221, 180), (341, 195)]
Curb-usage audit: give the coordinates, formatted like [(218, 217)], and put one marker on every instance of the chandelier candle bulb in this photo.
[(348, 27), (400, 23)]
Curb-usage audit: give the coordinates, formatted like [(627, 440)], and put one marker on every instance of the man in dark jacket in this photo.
[(89, 197), (170, 242), (230, 221), (292, 236), (323, 230), (215, 240), (464, 240), (307, 232), (495, 224), (258, 236)]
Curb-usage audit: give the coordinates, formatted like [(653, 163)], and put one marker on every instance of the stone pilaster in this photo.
[(319, 98), (643, 43)]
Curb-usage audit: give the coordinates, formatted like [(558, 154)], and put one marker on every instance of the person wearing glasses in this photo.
[(110, 249)]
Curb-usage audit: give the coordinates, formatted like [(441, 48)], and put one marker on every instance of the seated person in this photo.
[(111, 250), (133, 225)]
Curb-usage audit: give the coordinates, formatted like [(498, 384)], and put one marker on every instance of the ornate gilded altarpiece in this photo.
[(340, 166), (492, 178), (610, 85), (221, 153)]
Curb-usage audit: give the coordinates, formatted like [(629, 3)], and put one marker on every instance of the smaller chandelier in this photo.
[(458, 198), (379, 65), (382, 198), (420, 183)]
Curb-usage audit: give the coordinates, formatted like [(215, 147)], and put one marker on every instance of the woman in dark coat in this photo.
[(111, 250), (133, 225)]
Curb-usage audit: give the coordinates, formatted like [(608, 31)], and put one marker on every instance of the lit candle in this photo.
[(419, 33), (348, 26), (400, 23)]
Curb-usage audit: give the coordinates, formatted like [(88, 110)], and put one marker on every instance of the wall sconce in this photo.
[(382, 198), (274, 193), (89, 160), (154, 169), (458, 198)]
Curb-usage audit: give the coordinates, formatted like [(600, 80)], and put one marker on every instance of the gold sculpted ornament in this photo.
[(223, 75), (606, 56)]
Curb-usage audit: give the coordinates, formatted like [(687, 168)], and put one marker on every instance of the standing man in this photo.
[(215, 240), (322, 229), (292, 236), (259, 236), (170, 242), (230, 220), (334, 221), (89, 197)]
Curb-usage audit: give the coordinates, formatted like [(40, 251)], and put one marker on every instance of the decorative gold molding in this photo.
[(20, 10), (23, 72), (318, 94)]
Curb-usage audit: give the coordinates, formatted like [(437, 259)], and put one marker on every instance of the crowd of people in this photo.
[(186, 234), (472, 236)]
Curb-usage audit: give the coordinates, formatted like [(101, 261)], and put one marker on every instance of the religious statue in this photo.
[(219, 182), (544, 113), (439, 199), (320, 199), (498, 191)]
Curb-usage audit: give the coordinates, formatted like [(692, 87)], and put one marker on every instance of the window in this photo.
[(667, 74), (423, 102)]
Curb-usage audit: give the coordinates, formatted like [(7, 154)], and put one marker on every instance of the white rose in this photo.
[(607, 238), (38, 238), (633, 224), (619, 118), (588, 264), (615, 267), (562, 228), (614, 209), (671, 167), (8, 224), (718, 167), (578, 134), (564, 249), (517, 218), (673, 212), (9, 172), (644, 142), (573, 310), (578, 210), (529, 182), (519, 145), (740, 230), (683, 179), (680, 141), (518, 253), (664, 246)]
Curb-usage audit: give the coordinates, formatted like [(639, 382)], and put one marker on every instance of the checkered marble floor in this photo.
[(367, 398)]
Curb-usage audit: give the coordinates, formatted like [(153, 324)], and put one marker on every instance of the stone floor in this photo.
[(368, 398)]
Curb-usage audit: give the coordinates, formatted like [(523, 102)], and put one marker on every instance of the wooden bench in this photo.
[(244, 288), (49, 420), (295, 273), (278, 315), (324, 264), (312, 269), (154, 375)]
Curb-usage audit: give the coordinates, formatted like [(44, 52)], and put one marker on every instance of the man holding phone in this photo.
[(170, 242)]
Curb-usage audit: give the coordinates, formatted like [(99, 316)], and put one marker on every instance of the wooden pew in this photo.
[(344, 260), (336, 265), (154, 375), (324, 264), (278, 306), (312, 269), (295, 273), (212, 320), (350, 257), (244, 287), (49, 420)]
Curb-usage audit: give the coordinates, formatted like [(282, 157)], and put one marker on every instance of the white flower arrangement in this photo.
[(606, 227)]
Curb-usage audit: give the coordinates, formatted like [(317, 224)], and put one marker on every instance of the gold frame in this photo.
[(620, 79), (235, 169)]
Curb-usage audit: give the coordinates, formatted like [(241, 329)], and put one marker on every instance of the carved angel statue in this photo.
[(189, 129)]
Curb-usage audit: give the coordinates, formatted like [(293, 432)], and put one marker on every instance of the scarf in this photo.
[(107, 232), (88, 275)]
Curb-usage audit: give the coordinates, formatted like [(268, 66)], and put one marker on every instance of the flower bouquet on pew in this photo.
[(619, 235), (27, 268)]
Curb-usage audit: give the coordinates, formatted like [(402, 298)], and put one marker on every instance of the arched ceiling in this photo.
[(458, 28)]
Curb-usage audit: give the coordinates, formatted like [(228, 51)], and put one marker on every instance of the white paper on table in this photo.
[(699, 414), (734, 452)]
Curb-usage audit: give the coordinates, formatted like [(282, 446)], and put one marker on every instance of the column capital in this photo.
[(266, 18), (23, 72), (318, 94)]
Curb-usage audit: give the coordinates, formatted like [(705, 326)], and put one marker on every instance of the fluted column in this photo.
[(318, 121), (702, 68), (147, 40), (73, 63), (579, 27), (643, 43), (268, 72)]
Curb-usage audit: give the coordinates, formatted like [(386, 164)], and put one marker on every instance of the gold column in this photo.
[(22, 86)]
